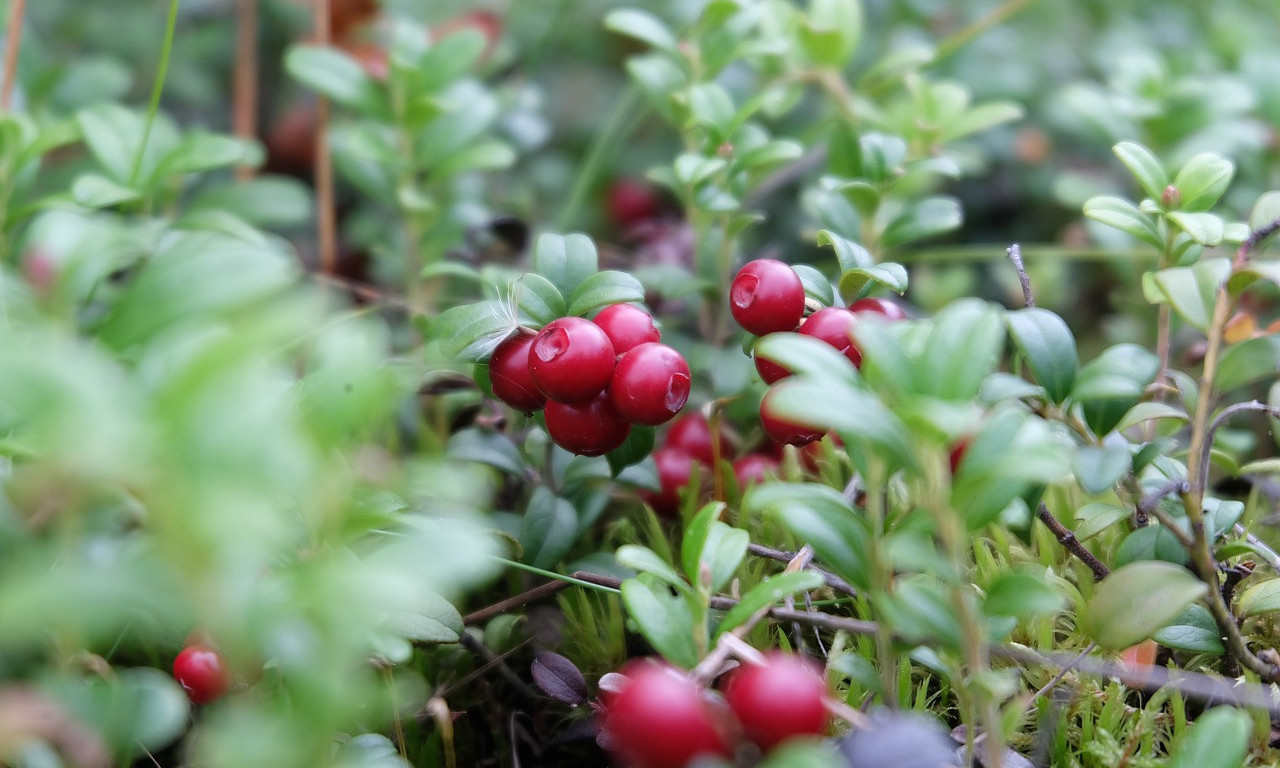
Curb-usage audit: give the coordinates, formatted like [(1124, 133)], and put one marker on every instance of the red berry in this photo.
[(691, 433), (592, 428), (510, 377), (650, 384), (753, 468), (661, 719), (778, 700), (770, 371), (630, 202), (782, 430), (891, 310), (675, 471), (627, 326), (571, 360), (834, 325), (767, 296), (202, 673)]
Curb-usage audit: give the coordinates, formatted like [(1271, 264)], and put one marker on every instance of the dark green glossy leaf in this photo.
[(538, 300), (821, 516), (1112, 383), (1099, 468), (604, 288), (1092, 519), (1046, 342), (635, 448), (664, 619), (1022, 594), (1191, 291), (1247, 362), (858, 416), (856, 283), (549, 530), (816, 284), (963, 348), (1153, 542), (565, 260), (471, 332), (1194, 630)]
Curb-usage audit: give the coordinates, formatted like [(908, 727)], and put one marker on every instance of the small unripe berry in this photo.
[(571, 360), (766, 296)]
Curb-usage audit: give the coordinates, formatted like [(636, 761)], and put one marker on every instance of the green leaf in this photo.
[(538, 300), (771, 590), (1194, 630), (816, 285), (849, 254), (434, 621), (604, 288), (1136, 600), (1259, 598), (710, 106), (471, 332), (204, 151), (1266, 210), (114, 137), (1203, 180), (858, 416), (483, 155), (963, 347), (925, 218), (485, 447), (695, 538), (723, 551), (645, 560), (334, 74), (1092, 519), (1247, 362), (854, 283), (1251, 273), (980, 118), (691, 170), (1112, 383), (95, 191), (565, 260), (1022, 595), (1123, 215), (1150, 543), (658, 78), (1010, 453), (642, 26), (1204, 228), (805, 355), (1144, 412), (1099, 468), (769, 154), (1144, 166), (267, 201), (665, 620), (1046, 342), (1218, 739), (829, 31), (821, 516), (549, 530), (637, 446), (1191, 291)]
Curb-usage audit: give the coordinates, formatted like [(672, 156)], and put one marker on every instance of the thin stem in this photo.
[(1069, 542), (326, 215), (157, 87), (619, 125), (13, 40), (831, 580), (581, 578), (245, 103), (1015, 255)]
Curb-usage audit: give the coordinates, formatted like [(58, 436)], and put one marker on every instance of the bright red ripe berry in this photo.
[(691, 433), (782, 430), (778, 700), (834, 325), (769, 371), (202, 673), (630, 202), (571, 360), (510, 377), (753, 468), (650, 384), (767, 296), (627, 326), (592, 428), (675, 471), (661, 719), (891, 310)]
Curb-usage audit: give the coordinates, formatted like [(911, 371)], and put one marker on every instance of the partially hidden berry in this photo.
[(753, 468), (650, 384), (627, 326), (202, 673), (782, 430), (691, 433), (661, 719), (592, 428), (510, 377), (834, 325), (675, 472), (766, 296), (571, 360), (889, 309)]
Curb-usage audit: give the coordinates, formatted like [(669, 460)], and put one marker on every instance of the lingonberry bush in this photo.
[(658, 386)]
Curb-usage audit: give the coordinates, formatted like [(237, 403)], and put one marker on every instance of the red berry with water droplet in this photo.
[(650, 384), (766, 296), (571, 360)]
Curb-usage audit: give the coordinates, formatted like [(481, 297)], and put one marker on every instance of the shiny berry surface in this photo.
[(889, 309), (627, 326), (834, 325), (766, 296), (202, 673), (650, 384), (675, 470), (571, 360), (781, 430), (778, 700), (661, 719), (691, 433), (510, 377), (592, 428)]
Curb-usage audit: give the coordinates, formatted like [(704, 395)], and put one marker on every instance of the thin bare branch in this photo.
[(244, 115)]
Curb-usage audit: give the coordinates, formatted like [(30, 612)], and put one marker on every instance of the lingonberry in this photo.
[(675, 471), (650, 384), (770, 371), (202, 673), (691, 433), (661, 719), (889, 309), (834, 325), (592, 428), (753, 468), (627, 326), (766, 296), (782, 430), (777, 700), (630, 202), (510, 377), (571, 360)]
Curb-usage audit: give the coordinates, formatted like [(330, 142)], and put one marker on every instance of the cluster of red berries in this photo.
[(659, 717), (767, 296), (593, 378), (690, 445), (202, 673)]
